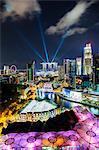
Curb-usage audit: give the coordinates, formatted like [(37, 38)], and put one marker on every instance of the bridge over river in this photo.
[(73, 101)]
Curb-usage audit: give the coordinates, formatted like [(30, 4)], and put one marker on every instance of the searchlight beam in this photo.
[(43, 40), (57, 50), (29, 44)]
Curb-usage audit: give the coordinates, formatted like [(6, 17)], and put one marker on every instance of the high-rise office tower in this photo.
[(70, 67), (66, 64), (61, 72), (96, 68), (87, 60), (49, 66), (6, 70), (78, 65), (30, 71)]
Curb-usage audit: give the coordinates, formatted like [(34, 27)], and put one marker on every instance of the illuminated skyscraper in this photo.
[(96, 68), (87, 60), (66, 66), (49, 66), (30, 71), (61, 72), (70, 67), (6, 70), (78, 65)]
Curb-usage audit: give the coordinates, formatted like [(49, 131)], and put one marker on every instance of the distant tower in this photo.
[(69, 67), (30, 71), (78, 65), (61, 72), (87, 60), (66, 65), (49, 66), (6, 70), (72, 67), (96, 68)]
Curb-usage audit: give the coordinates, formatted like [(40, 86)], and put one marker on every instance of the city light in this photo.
[(28, 43), (82, 133), (49, 99), (42, 37), (59, 47), (8, 7)]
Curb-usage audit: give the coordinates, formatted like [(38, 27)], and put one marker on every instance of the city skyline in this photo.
[(23, 39)]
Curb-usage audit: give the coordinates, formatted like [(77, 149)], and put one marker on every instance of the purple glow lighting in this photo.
[(91, 133), (31, 139), (52, 139), (88, 137), (9, 141), (69, 133), (73, 138), (84, 133), (48, 135)]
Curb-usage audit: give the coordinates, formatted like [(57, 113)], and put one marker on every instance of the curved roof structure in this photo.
[(36, 106), (85, 135)]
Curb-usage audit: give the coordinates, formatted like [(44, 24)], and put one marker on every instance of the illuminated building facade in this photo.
[(96, 68), (49, 66), (61, 72), (46, 92), (87, 60), (66, 66), (70, 70), (70, 67), (6, 70), (30, 72), (78, 65)]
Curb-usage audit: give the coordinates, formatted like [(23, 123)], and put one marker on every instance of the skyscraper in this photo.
[(96, 68), (87, 60), (66, 66), (78, 65), (70, 67), (49, 66), (30, 71), (72, 72), (61, 72), (6, 70)]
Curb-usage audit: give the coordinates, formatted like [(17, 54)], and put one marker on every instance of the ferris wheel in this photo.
[(13, 69)]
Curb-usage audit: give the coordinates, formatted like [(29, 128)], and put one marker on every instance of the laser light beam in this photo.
[(43, 40)]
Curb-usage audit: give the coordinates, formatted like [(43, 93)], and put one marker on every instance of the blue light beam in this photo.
[(57, 50), (43, 40), (29, 44), (8, 7)]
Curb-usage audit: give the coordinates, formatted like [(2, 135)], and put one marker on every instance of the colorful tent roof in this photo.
[(85, 135), (36, 106)]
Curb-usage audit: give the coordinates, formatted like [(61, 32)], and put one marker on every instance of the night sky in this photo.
[(18, 34)]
